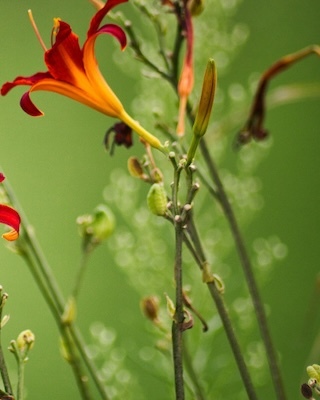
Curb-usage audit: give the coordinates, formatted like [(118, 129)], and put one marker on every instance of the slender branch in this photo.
[(20, 388), (192, 373), (248, 272), (222, 311), (177, 324), (52, 294), (135, 45), (177, 330), (153, 17), (3, 367), (81, 272), (72, 357), (4, 373)]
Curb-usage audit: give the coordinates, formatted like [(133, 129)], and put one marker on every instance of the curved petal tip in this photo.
[(11, 236)]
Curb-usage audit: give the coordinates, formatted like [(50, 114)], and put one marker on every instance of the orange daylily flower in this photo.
[(10, 217), (73, 72)]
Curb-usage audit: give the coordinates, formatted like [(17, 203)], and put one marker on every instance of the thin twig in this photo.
[(73, 358), (222, 311), (177, 324), (248, 272), (51, 291), (3, 366), (192, 373)]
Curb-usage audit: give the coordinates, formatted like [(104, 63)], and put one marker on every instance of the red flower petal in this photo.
[(65, 57), (115, 31), (2, 177), (24, 80), (28, 106), (98, 17), (10, 217)]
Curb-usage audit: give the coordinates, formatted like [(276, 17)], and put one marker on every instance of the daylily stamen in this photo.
[(55, 30), (36, 30)]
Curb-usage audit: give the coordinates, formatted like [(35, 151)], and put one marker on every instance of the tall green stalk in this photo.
[(248, 272)]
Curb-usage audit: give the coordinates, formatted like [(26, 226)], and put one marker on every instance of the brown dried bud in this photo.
[(150, 308), (306, 391)]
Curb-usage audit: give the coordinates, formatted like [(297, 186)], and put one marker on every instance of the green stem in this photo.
[(199, 395), (20, 387), (73, 358), (49, 288), (135, 45), (3, 367), (222, 311), (159, 31), (193, 148), (75, 362), (81, 272), (248, 272), (227, 325), (177, 324)]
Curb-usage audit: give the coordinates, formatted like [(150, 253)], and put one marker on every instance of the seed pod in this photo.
[(157, 199)]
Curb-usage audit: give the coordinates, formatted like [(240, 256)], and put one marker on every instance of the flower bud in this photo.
[(206, 100), (25, 340), (196, 7), (150, 307), (314, 372), (135, 168), (98, 226), (157, 199)]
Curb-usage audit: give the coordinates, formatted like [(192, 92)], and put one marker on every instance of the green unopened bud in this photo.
[(25, 340), (314, 372), (157, 199), (206, 99), (96, 227), (204, 109), (196, 7)]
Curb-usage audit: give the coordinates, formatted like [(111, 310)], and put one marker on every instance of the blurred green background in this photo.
[(58, 168)]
